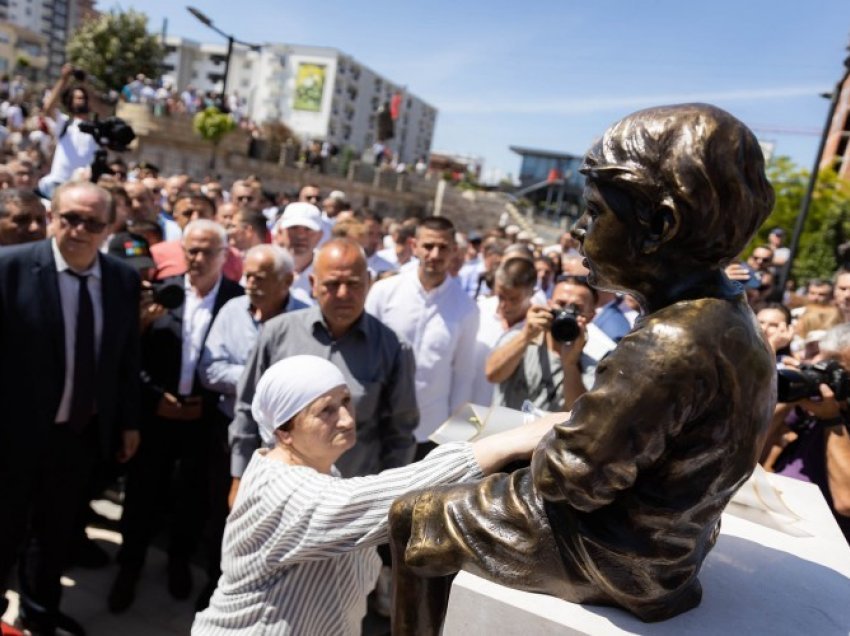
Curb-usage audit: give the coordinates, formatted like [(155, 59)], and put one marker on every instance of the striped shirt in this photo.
[(298, 554)]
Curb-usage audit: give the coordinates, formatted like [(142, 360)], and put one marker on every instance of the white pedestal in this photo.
[(755, 581)]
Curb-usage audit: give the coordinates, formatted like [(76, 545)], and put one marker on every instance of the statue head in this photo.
[(687, 185)]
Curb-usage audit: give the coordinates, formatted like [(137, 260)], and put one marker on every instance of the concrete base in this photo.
[(756, 580)]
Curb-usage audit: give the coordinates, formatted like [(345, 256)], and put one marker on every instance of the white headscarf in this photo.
[(287, 387)]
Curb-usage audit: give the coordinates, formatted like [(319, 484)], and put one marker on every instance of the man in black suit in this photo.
[(69, 390), (176, 424)]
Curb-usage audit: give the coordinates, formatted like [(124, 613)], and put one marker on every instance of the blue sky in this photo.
[(555, 74)]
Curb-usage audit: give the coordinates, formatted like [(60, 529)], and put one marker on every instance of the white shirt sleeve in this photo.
[(464, 367), (303, 515)]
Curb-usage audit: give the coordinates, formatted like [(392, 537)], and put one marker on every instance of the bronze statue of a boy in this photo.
[(622, 501)]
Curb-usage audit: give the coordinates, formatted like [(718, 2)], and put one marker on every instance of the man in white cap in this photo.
[(299, 230)]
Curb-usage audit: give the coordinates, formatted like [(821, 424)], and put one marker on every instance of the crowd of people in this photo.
[(140, 315)]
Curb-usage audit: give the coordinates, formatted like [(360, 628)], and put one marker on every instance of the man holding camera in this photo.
[(74, 148), (810, 438), (534, 365)]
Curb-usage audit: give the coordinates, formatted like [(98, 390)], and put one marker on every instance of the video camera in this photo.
[(804, 382), (169, 295), (113, 132)]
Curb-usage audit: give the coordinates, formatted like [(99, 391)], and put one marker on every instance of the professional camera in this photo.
[(169, 295), (802, 383), (564, 325), (112, 133)]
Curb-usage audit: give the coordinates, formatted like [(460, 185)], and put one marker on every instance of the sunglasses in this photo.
[(92, 226), (315, 197), (245, 198)]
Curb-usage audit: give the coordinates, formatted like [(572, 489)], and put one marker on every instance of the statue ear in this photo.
[(663, 225)]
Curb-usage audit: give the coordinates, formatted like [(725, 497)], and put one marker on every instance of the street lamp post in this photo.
[(206, 21), (813, 177)]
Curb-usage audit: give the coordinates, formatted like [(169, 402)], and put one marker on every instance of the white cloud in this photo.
[(572, 106)]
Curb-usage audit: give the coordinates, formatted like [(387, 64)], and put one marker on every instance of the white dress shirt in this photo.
[(491, 329), (440, 325), (197, 316), (301, 288), (69, 296)]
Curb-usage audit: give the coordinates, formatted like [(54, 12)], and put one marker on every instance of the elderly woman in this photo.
[(298, 553)]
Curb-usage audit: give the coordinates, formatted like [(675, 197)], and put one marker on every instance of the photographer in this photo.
[(809, 437), (534, 364), (74, 148)]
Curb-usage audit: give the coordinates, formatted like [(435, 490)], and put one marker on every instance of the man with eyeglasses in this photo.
[(175, 420), (761, 259), (169, 255), (69, 333), (246, 193), (310, 194), (23, 218), (532, 365)]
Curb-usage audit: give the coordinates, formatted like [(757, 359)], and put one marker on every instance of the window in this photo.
[(245, 83), (247, 65)]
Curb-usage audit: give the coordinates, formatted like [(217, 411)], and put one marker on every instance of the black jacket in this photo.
[(32, 350), (162, 348)]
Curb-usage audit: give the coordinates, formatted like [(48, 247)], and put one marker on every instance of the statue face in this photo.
[(606, 242)]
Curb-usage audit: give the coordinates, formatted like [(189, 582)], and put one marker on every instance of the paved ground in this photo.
[(154, 612), (84, 596)]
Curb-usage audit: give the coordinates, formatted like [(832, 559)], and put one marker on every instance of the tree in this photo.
[(116, 46), (827, 225), (212, 125)]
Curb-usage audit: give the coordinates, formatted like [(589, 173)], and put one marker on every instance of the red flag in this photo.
[(395, 105)]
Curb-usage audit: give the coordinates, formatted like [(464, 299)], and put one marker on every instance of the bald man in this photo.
[(378, 367)]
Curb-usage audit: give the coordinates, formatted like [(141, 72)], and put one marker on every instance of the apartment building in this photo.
[(319, 92)]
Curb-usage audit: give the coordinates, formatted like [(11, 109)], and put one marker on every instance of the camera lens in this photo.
[(564, 326)]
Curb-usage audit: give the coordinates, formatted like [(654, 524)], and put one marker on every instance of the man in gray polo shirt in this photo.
[(378, 367)]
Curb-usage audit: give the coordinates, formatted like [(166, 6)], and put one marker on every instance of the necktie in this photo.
[(82, 397)]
